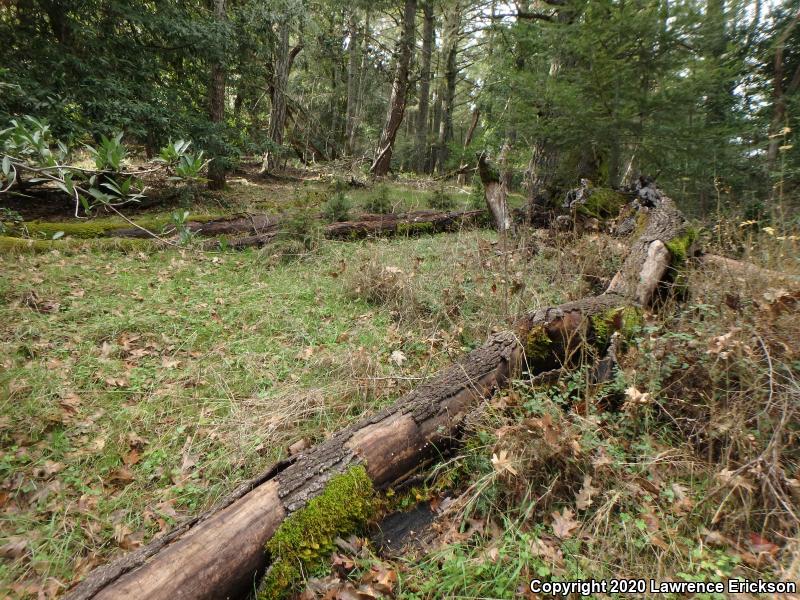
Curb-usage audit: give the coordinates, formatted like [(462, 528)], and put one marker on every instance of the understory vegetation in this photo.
[(459, 293)]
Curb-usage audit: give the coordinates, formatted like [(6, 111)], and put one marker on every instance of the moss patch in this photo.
[(602, 203), (681, 246), (538, 344), (415, 228), (626, 319), (95, 228), (15, 246), (306, 537)]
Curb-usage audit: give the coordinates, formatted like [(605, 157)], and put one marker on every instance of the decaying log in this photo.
[(650, 257), (496, 193), (422, 221), (220, 554), (244, 224), (747, 270)]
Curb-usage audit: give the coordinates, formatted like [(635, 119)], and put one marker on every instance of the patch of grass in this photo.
[(139, 387)]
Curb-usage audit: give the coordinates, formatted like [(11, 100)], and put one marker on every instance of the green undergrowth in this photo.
[(139, 386), (304, 540)]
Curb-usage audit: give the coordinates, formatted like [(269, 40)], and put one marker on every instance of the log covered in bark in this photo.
[(220, 554)]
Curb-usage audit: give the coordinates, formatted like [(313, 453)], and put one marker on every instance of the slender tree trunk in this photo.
[(428, 34), (216, 168), (476, 115), (277, 117), (397, 102), (779, 94), (452, 31), (352, 83)]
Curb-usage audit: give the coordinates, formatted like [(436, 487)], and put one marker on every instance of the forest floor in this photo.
[(140, 385)]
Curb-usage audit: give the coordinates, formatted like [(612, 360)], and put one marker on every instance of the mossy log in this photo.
[(222, 553), (417, 222)]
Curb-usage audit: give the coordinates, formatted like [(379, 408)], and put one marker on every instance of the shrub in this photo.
[(337, 208), (379, 203), (441, 200), (477, 199), (303, 226)]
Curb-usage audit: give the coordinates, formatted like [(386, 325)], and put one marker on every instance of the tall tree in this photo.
[(424, 92), (216, 169), (352, 81), (397, 101), (280, 80), (453, 18), (783, 86)]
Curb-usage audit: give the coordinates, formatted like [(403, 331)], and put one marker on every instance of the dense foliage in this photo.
[(702, 94)]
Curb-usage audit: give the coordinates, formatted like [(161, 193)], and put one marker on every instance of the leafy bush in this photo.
[(110, 154), (337, 208), (441, 200), (379, 203)]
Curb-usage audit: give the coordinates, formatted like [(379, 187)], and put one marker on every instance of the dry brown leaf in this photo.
[(123, 475), (503, 462), (15, 547), (583, 499), (564, 523)]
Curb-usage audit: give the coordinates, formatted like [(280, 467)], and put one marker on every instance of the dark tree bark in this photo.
[(428, 34), (397, 102), (452, 33), (277, 117), (216, 168), (352, 83), (780, 93)]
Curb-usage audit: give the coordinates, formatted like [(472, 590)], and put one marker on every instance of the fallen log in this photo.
[(221, 553), (747, 270)]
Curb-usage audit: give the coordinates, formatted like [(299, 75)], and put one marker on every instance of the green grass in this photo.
[(199, 369)]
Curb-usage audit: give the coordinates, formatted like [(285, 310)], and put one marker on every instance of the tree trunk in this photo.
[(452, 31), (496, 194), (476, 115), (352, 84), (277, 117), (779, 94), (221, 553), (428, 34), (397, 102), (216, 168)]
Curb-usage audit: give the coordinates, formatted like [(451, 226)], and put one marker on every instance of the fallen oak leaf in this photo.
[(583, 499), (564, 523)]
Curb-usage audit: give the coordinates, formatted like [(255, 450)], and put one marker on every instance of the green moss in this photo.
[(538, 344), (15, 245), (96, 228), (626, 319), (680, 246), (306, 537), (602, 203)]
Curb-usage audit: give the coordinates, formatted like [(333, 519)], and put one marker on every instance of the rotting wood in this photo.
[(219, 554), (495, 192), (747, 270)]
